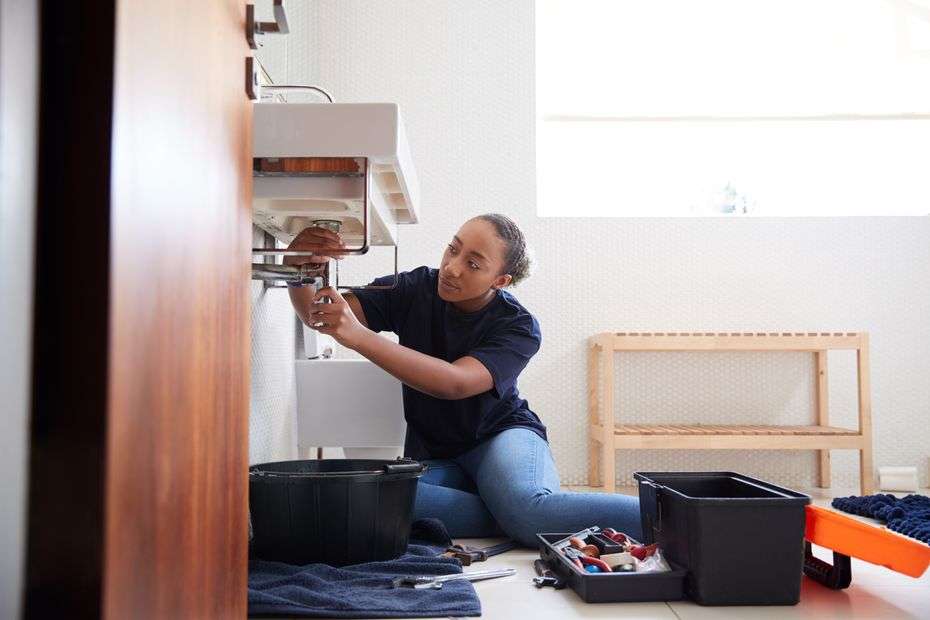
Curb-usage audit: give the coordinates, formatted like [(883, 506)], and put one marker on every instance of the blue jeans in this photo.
[(509, 486)]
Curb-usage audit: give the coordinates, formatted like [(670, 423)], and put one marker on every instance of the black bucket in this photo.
[(335, 512)]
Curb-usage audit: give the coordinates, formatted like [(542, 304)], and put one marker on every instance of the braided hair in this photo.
[(517, 257)]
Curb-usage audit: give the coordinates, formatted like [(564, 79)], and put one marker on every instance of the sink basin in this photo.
[(370, 133)]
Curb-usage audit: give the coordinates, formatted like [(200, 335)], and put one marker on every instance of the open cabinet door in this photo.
[(139, 442), (178, 397)]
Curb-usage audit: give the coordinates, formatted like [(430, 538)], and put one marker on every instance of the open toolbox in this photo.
[(849, 538), (770, 530), (611, 587)]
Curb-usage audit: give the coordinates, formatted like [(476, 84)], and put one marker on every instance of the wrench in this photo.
[(435, 583)]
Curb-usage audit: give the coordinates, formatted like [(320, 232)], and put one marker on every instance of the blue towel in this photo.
[(362, 590), (909, 515)]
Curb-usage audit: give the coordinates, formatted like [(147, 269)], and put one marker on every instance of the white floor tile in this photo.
[(858, 601)]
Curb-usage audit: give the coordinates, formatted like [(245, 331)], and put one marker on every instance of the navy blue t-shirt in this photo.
[(502, 335)]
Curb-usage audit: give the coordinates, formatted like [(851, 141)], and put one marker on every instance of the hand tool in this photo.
[(605, 545), (574, 557), (466, 555), (546, 577), (565, 542), (589, 561), (435, 582)]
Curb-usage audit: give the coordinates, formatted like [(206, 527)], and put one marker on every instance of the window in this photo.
[(733, 107)]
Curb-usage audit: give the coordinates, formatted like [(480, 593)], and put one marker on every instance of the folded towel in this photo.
[(365, 590)]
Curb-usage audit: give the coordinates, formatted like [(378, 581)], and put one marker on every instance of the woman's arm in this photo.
[(462, 378), (450, 381), (302, 298), (325, 245)]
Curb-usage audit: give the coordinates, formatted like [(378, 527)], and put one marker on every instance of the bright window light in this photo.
[(733, 107)]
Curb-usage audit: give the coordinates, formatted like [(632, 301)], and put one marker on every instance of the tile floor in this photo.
[(875, 592)]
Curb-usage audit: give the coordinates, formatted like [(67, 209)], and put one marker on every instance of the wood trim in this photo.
[(822, 409), (736, 429), (737, 442), (866, 473), (608, 452), (728, 341), (594, 441)]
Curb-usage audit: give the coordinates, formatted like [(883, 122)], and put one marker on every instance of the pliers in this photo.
[(580, 560)]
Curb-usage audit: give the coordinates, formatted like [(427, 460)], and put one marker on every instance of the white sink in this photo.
[(283, 205)]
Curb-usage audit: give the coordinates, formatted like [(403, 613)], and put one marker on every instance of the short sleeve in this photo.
[(385, 310), (505, 352)]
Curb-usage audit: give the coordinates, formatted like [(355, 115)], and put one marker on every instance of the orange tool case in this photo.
[(852, 538)]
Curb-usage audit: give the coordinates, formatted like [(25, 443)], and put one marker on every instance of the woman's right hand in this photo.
[(324, 243)]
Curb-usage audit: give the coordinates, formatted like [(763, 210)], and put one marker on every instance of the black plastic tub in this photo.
[(335, 512), (741, 539), (612, 587)]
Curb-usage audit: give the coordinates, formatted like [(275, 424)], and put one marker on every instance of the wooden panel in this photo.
[(176, 510), (703, 429), (737, 442), (728, 341)]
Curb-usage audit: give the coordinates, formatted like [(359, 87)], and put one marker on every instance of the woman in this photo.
[(463, 341)]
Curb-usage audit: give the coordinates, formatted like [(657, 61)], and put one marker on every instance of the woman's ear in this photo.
[(502, 281)]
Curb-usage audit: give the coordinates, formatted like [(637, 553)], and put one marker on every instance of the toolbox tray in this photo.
[(848, 537), (612, 587)]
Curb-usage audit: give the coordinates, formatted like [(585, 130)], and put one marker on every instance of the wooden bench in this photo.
[(606, 436)]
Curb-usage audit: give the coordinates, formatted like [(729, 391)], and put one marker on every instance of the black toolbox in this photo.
[(612, 587), (741, 539)]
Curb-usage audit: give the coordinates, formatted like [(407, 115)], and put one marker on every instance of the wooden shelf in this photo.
[(728, 341), (707, 429), (822, 437)]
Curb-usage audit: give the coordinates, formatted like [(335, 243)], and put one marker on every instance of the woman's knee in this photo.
[(523, 520), (567, 512)]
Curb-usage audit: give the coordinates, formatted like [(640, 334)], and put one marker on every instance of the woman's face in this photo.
[(473, 263)]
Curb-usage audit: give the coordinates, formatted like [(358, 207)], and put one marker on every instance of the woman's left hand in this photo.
[(336, 318)]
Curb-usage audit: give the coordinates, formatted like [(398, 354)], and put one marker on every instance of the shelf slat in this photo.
[(705, 429), (728, 341)]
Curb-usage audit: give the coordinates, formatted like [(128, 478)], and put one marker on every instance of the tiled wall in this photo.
[(463, 75), (272, 421)]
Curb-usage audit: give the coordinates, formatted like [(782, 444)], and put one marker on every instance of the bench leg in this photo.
[(609, 466), (823, 472), (866, 476), (594, 463), (821, 404)]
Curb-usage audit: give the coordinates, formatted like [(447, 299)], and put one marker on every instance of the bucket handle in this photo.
[(403, 466)]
